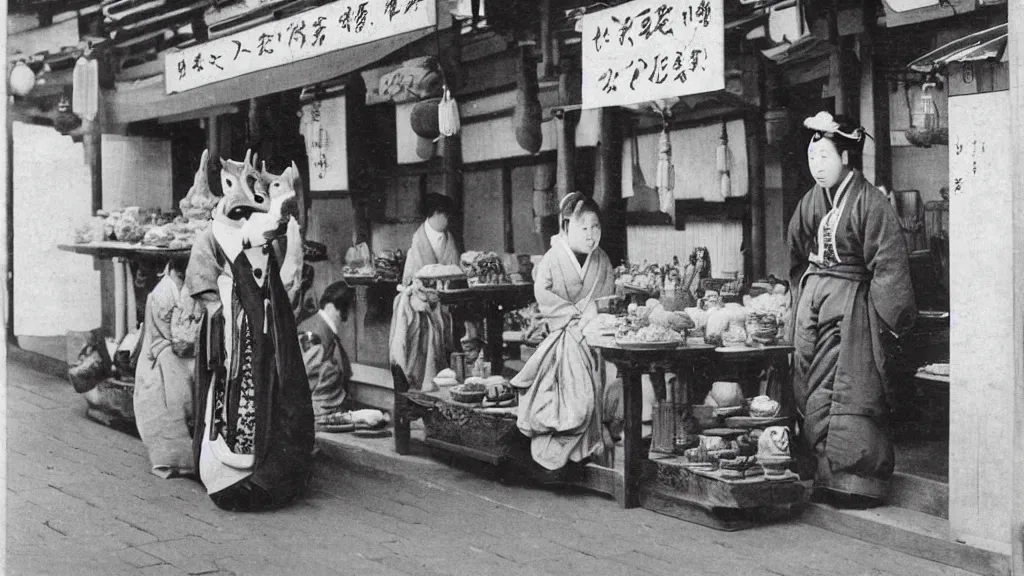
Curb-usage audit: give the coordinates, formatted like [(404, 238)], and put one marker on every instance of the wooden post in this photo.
[(1015, 47), (213, 136), (506, 200), (565, 175), (754, 129), (9, 269)]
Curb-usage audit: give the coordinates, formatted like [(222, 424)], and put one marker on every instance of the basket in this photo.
[(461, 394)]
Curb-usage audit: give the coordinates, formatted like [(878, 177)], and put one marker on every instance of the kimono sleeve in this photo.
[(885, 255), (551, 305), (203, 268), (801, 238)]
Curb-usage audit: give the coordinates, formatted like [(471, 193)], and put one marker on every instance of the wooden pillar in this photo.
[(9, 205), (754, 129), (565, 173), (213, 124), (1016, 50)]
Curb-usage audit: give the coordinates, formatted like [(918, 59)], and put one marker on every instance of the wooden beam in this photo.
[(1015, 46), (754, 129)]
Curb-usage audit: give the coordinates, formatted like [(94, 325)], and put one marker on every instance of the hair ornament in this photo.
[(826, 126)]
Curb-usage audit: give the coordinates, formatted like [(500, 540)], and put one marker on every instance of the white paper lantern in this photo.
[(22, 80)]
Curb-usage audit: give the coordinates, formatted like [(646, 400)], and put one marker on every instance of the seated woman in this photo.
[(163, 383), (566, 409)]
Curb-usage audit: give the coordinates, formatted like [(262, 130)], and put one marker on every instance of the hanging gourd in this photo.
[(448, 114), (723, 161), (527, 116), (66, 120), (85, 88), (425, 117)]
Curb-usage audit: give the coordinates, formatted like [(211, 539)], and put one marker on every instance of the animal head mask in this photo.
[(244, 191)]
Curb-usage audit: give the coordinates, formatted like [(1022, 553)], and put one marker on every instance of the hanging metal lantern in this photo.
[(66, 120), (23, 79)]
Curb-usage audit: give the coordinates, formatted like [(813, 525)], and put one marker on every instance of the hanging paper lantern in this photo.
[(424, 119), (22, 80), (448, 114), (666, 177), (85, 88)]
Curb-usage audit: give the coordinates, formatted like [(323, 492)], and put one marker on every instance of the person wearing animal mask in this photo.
[(566, 408), (853, 298), (254, 437)]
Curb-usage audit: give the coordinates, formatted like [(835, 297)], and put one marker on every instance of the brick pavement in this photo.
[(81, 501)]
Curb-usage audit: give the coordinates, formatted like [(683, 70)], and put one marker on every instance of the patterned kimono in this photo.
[(421, 331), (163, 388), (852, 292), (254, 441), (565, 402)]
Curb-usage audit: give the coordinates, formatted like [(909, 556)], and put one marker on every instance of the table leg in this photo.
[(494, 328), (402, 418), (632, 442), (120, 294)]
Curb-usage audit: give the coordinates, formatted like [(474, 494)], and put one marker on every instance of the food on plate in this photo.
[(727, 326), (500, 392), (159, 236), (389, 265), (762, 328), (650, 334), (483, 268), (440, 271), (446, 377), (725, 395), (764, 407), (678, 321), (469, 393)]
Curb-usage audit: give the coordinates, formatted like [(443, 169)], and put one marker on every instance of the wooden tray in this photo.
[(754, 422), (650, 345)]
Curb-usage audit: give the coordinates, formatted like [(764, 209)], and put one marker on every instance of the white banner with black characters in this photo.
[(652, 49), (338, 25)]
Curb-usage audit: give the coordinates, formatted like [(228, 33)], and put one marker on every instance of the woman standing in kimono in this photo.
[(421, 329), (163, 384), (566, 409), (853, 297)]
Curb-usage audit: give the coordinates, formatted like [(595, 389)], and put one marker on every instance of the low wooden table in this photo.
[(665, 484), (495, 301)]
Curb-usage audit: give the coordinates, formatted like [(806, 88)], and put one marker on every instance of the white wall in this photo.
[(54, 291), (136, 172), (981, 343)]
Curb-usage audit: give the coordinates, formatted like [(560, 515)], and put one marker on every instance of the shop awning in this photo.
[(985, 45), (904, 12), (147, 99)]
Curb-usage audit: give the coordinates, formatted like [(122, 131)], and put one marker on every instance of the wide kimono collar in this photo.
[(577, 280)]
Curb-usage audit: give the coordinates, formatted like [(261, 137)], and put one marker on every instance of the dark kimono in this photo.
[(852, 294), (327, 368), (253, 444)]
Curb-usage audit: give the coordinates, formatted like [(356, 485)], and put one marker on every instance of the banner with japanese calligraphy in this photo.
[(652, 49), (324, 128), (338, 25)]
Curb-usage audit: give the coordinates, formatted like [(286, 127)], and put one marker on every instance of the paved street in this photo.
[(81, 501)]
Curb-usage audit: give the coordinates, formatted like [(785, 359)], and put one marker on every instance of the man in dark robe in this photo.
[(853, 299)]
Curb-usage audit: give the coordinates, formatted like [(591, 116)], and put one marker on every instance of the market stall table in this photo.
[(495, 300), (123, 254), (665, 484), (110, 402)]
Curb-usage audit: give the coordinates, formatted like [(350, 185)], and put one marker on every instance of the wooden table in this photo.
[(632, 364), (666, 486), (495, 301)]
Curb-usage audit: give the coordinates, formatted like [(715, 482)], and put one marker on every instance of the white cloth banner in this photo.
[(652, 49), (324, 129), (338, 25)]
